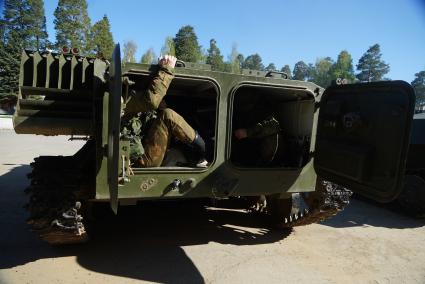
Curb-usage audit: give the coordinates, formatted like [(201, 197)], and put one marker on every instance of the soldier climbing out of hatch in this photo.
[(150, 125)]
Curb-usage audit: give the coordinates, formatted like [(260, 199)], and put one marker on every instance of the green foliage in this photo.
[(227, 67), (233, 65), (186, 45), (241, 58), (168, 47), (419, 85), (253, 62), (23, 26), (286, 69), (16, 20), (214, 57), (343, 67), (148, 57), (130, 48), (320, 73), (2, 30), (37, 30), (371, 66), (102, 37), (9, 70), (72, 25), (301, 71), (271, 67)]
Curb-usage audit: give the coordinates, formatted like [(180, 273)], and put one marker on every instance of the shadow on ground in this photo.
[(144, 242), (362, 212)]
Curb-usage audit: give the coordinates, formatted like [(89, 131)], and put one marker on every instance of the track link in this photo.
[(54, 211), (325, 202), (306, 208)]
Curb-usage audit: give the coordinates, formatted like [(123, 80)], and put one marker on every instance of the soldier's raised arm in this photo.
[(149, 99)]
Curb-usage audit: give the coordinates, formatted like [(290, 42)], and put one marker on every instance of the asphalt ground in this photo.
[(186, 243)]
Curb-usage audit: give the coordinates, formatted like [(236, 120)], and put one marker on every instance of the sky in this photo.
[(281, 31)]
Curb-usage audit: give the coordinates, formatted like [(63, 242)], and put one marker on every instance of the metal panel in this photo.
[(363, 135), (52, 66), (77, 72), (26, 70), (64, 71), (115, 90)]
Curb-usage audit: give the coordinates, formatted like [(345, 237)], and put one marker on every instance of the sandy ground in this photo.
[(174, 243)]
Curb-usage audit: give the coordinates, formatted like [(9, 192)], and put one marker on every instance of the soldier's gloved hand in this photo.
[(241, 133), (167, 60)]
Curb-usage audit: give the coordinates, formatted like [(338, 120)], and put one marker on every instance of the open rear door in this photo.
[(115, 90), (363, 136)]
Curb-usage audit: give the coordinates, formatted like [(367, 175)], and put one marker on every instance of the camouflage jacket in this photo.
[(140, 110), (150, 98)]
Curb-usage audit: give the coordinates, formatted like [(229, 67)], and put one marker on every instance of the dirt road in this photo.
[(172, 243)]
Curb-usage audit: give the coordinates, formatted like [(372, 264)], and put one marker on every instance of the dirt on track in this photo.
[(183, 243)]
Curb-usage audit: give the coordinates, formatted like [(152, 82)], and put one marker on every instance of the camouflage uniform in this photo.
[(150, 129), (271, 139), (266, 127)]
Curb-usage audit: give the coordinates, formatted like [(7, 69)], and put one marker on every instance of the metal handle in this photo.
[(180, 63), (284, 75)]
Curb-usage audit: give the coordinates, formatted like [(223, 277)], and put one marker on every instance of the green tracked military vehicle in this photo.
[(355, 136)]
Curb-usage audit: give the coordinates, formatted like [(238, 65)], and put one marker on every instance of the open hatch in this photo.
[(292, 107), (196, 100), (363, 136)]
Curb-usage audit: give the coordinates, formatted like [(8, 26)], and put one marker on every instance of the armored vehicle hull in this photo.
[(335, 133)]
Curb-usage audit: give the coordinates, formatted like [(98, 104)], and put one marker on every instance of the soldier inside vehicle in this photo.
[(271, 127), (159, 135)]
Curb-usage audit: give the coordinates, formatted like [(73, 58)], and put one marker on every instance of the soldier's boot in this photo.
[(199, 145)]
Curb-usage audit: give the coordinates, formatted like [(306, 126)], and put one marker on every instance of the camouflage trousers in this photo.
[(167, 125)]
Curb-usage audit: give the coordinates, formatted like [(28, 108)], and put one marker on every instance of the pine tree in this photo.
[(371, 66), (17, 21), (301, 71), (23, 26), (343, 68), (419, 85), (148, 57), (37, 32), (2, 31), (241, 59), (130, 48), (253, 62), (271, 67), (186, 45), (14, 33), (102, 37), (214, 57), (72, 25), (233, 65), (320, 73), (286, 69), (168, 47), (9, 69)]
